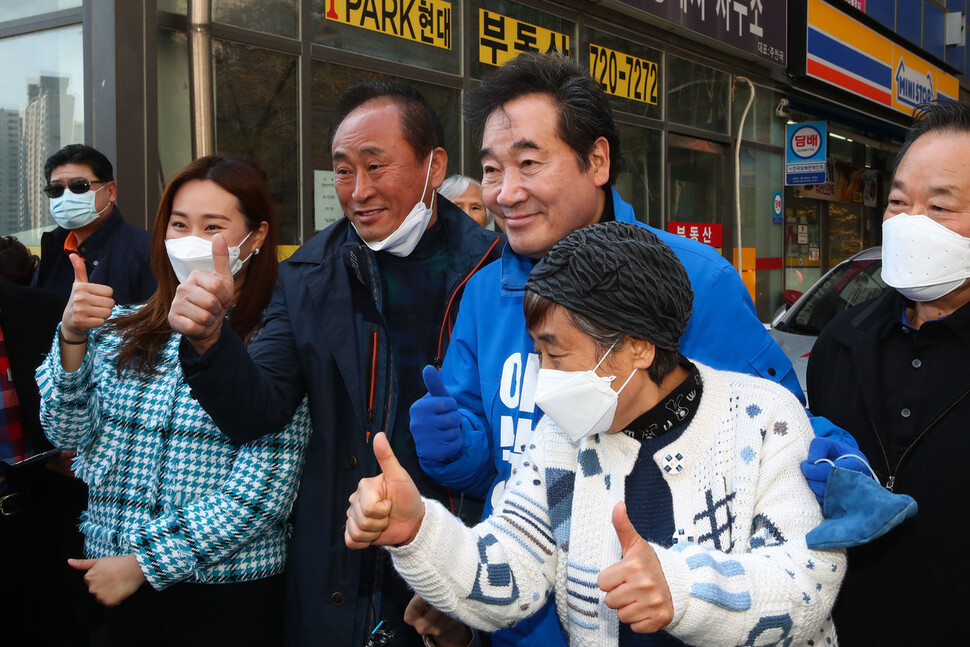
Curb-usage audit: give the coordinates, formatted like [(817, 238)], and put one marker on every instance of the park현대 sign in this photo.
[(425, 21)]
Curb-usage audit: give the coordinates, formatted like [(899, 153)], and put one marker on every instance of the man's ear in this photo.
[(642, 352), (439, 168), (599, 161), (112, 189)]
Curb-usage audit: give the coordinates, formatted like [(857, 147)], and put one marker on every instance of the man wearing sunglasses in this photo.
[(83, 194)]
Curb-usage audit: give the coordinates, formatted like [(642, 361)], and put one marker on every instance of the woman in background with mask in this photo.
[(182, 524), (656, 495)]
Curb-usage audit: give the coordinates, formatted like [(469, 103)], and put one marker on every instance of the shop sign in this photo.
[(805, 153), (421, 21), (777, 207), (758, 27), (702, 232), (500, 38), (623, 75), (845, 183), (845, 53)]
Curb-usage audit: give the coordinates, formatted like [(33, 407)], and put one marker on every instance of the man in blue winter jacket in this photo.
[(550, 155)]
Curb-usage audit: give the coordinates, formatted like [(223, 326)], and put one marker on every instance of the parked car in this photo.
[(852, 281)]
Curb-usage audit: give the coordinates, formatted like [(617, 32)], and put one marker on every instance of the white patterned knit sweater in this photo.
[(739, 571), (164, 483)]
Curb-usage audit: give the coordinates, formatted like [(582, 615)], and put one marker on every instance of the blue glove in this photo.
[(825, 453), (435, 421)]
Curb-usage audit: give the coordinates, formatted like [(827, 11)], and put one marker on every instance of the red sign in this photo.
[(702, 232)]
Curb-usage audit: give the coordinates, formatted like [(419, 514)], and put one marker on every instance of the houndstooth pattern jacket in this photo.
[(164, 483)]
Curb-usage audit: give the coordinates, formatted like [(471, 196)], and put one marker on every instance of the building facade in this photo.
[(703, 90)]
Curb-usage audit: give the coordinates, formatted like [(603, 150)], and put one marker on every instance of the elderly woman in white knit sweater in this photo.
[(695, 469)]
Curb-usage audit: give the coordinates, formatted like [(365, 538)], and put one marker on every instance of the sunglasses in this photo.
[(76, 185)]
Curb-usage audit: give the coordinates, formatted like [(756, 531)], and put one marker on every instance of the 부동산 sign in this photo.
[(758, 27), (501, 38), (805, 153)]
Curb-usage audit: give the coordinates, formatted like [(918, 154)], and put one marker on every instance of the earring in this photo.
[(256, 252)]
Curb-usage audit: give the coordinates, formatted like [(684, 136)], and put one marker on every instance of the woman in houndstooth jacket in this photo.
[(181, 523)]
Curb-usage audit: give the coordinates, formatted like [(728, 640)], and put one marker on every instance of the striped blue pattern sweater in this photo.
[(738, 569), (164, 483)]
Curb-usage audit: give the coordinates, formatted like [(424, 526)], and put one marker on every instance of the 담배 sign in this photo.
[(777, 206), (805, 153)]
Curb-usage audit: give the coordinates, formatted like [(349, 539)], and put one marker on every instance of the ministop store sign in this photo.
[(805, 153)]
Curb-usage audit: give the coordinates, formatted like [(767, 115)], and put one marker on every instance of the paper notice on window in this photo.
[(326, 207)]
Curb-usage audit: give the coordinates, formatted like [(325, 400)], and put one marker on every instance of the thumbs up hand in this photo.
[(201, 303), (386, 510), (89, 306), (635, 586), (435, 421)]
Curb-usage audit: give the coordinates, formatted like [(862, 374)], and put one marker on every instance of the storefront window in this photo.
[(803, 233), (173, 6), (426, 34), (641, 182), (845, 231), (256, 115), (280, 17), (174, 107), (760, 237), (697, 95), (761, 124), (630, 73), (14, 9), (696, 181), (504, 29), (41, 111), (329, 81)]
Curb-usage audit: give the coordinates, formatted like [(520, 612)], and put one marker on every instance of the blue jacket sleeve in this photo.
[(249, 395), (724, 330), (472, 471)]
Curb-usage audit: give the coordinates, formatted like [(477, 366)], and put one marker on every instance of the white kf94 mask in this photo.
[(581, 403), (922, 259), (190, 253)]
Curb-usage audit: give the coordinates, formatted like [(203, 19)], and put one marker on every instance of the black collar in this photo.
[(675, 410)]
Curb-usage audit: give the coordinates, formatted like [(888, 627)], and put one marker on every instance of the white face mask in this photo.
[(922, 259), (190, 253), (75, 210), (404, 239), (581, 403)]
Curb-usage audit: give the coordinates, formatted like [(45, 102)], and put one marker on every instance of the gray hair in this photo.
[(455, 186)]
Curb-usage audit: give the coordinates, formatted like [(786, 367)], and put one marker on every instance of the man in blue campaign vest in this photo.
[(550, 155)]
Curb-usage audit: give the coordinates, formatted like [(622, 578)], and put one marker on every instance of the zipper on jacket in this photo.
[(372, 352), (439, 355), (892, 472)]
